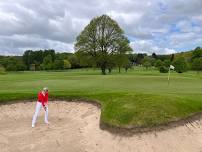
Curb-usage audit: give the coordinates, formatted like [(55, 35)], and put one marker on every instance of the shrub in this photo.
[(158, 63), (163, 69), (181, 65), (2, 70)]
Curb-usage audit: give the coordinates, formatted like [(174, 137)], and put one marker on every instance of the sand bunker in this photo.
[(74, 127)]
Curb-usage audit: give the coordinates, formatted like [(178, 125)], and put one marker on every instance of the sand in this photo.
[(74, 127)]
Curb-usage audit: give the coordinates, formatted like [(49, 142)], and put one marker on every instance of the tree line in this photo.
[(50, 60), (102, 44)]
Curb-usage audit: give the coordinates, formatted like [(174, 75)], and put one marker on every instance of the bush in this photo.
[(158, 63), (11, 67), (197, 64), (180, 65), (2, 70), (167, 63), (163, 69), (58, 64), (67, 64)]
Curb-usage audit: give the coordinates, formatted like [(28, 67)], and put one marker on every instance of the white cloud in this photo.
[(159, 25), (143, 46)]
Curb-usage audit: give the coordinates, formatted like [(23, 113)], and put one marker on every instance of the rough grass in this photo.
[(139, 98)]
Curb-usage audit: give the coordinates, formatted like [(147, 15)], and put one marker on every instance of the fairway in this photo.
[(139, 98)]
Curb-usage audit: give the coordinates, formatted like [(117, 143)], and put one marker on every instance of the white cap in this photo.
[(45, 89)]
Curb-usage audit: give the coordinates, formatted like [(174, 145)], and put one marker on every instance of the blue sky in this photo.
[(160, 26)]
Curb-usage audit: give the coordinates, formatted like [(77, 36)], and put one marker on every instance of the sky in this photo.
[(160, 26)]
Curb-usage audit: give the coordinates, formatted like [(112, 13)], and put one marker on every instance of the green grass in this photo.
[(139, 98)]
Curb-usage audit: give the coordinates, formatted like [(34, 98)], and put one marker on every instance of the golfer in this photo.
[(42, 102)]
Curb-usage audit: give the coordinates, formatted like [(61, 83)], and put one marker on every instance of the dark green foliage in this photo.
[(172, 57), (2, 70), (13, 63), (47, 62), (58, 64), (84, 59), (154, 55), (37, 57), (180, 65), (167, 63), (158, 63), (74, 61), (163, 69), (197, 59), (197, 64), (163, 57), (67, 64), (197, 53), (127, 66), (139, 58), (147, 62)]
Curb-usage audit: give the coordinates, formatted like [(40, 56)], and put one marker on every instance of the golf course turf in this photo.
[(138, 98)]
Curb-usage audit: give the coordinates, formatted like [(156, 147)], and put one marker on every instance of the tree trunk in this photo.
[(119, 69), (110, 70), (103, 68), (126, 69)]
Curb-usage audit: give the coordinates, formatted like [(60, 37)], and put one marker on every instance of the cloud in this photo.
[(144, 46), (161, 26)]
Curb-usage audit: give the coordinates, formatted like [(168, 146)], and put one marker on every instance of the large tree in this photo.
[(101, 38)]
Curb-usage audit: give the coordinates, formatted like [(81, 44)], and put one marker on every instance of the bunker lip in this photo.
[(119, 130), (131, 130)]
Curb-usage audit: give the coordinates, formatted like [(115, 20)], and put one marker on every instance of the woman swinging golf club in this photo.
[(42, 101)]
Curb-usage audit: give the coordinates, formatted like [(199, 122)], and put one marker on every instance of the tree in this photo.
[(163, 69), (67, 64), (147, 62), (197, 64), (2, 70), (13, 63), (128, 65), (180, 65), (58, 64), (172, 57), (112, 62), (47, 62), (154, 55), (132, 58), (163, 57), (28, 58), (84, 59), (50, 52), (101, 38), (74, 61), (158, 63), (121, 56), (36, 58), (167, 63), (139, 58), (197, 53)]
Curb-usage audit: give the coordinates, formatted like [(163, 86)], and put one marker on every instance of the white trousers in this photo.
[(38, 108)]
